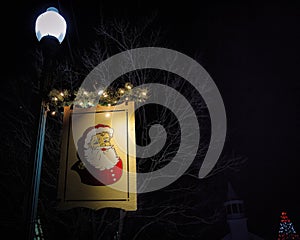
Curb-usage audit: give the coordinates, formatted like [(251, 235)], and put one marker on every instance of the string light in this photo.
[(286, 228), (59, 99), (107, 115), (128, 86)]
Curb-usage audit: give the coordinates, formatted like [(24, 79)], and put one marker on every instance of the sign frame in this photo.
[(72, 192)]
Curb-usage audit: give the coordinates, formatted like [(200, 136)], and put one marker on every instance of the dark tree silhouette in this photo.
[(186, 209)]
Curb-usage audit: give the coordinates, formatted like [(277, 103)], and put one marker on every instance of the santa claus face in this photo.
[(98, 156), (100, 140), (100, 153)]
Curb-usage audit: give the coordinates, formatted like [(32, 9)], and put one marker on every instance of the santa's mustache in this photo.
[(101, 158)]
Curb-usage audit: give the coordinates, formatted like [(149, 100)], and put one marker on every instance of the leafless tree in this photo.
[(188, 203)]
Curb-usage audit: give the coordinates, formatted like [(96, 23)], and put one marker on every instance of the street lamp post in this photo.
[(50, 28)]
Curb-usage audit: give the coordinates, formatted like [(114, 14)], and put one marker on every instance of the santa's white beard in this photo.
[(101, 159)]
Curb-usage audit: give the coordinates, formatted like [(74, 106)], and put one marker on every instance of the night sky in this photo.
[(252, 52)]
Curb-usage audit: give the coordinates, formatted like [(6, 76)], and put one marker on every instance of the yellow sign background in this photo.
[(71, 191)]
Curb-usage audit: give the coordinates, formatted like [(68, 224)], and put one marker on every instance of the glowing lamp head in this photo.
[(51, 23)]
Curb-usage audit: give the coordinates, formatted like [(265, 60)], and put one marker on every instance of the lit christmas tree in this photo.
[(286, 229)]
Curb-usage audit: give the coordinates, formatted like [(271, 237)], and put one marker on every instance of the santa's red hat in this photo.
[(92, 131)]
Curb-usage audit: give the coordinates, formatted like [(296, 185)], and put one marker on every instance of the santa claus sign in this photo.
[(98, 153)]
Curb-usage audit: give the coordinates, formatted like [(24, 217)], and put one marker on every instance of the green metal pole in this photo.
[(37, 169)]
